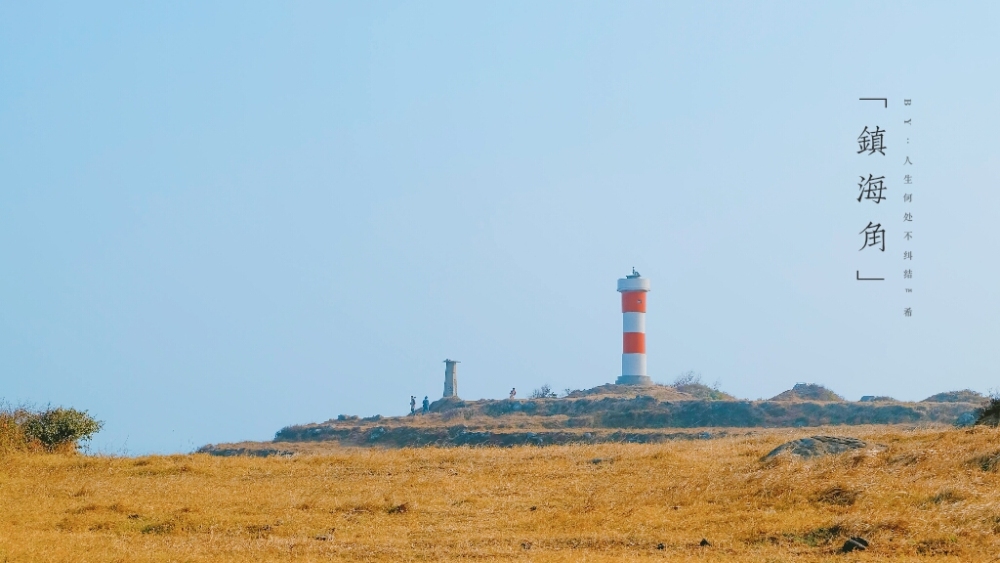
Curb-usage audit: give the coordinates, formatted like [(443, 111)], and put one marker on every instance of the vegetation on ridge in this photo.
[(54, 429), (963, 396), (808, 392), (690, 383), (989, 414)]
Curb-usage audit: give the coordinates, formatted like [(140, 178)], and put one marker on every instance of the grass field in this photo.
[(930, 494)]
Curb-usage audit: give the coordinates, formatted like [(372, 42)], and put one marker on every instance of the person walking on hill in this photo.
[(427, 404), (513, 392), (413, 405)]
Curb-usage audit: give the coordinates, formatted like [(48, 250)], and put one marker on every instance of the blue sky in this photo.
[(218, 219)]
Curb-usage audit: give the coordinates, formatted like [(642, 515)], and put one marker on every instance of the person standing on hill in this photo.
[(427, 404), (413, 405), (513, 392)]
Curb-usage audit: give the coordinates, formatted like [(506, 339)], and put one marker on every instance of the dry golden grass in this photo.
[(12, 436), (929, 495)]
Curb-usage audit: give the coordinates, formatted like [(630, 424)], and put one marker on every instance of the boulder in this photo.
[(816, 446), (854, 544)]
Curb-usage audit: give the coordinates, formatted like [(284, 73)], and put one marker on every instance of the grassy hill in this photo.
[(963, 396), (808, 392)]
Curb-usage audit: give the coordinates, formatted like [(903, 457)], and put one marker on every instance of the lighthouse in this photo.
[(634, 289)]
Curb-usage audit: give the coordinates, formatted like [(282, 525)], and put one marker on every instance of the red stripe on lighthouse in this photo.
[(633, 302), (633, 343)]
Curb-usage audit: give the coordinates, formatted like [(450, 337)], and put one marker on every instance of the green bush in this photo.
[(989, 414), (60, 428)]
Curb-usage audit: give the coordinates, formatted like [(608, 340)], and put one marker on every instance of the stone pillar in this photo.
[(450, 378)]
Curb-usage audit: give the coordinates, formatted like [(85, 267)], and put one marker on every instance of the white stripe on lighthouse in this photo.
[(633, 364), (634, 322)]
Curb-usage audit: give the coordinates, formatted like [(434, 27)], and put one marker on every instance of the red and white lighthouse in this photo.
[(634, 290)]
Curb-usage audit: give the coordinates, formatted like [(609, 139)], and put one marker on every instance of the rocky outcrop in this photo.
[(816, 446)]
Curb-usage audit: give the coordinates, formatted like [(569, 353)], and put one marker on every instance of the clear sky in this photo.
[(218, 219)]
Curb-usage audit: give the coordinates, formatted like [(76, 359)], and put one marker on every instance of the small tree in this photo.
[(61, 428), (542, 392), (687, 378)]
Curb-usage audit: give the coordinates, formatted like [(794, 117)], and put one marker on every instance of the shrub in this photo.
[(60, 428), (23, 429), (687, 378), (542, 392), (12, 436), (989, 414)]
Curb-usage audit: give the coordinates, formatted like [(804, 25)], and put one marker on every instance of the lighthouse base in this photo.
[(633, 380)]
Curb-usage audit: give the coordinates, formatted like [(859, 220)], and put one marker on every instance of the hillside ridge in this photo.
[(609, 413)]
